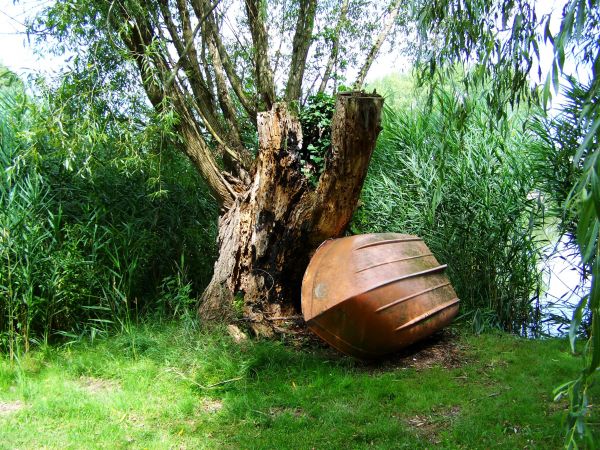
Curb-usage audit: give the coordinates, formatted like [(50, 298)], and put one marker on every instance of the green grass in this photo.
[(150, 388)]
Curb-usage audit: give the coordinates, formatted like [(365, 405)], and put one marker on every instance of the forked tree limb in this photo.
[(236, 157), (300, 45), (188, 60), (242, 157), (262, 67), (234, 80), (189, 35), (191, 63), (171, 27), (153, 67), (335, 46)]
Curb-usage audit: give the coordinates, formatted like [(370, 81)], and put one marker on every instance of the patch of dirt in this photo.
[(98, 385), (429, 426), (7, 408), (561, 405), (279, 410), (291, 329), (211, 406), (440, 349), (135, 420)]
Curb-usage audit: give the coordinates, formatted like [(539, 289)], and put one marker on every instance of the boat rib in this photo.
[(394, 261), (388, 241), (410, 275), (416, 294), (428, 314)]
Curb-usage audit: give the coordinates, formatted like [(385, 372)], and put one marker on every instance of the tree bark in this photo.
[(264, 74), (236, 83), (300, 46), (389, 23), (335, 46), (267, 237), (194, 145)]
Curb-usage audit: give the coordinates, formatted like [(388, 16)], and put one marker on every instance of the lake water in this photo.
[(565, 288)]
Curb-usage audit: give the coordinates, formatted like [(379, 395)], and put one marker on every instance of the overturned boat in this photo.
[(373, 294)]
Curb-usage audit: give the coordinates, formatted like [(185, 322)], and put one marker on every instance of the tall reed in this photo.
[(93, 238)]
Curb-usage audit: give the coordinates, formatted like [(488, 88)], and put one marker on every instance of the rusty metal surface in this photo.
[(373, 294)]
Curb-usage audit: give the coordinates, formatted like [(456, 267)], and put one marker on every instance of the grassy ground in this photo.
[(171, 388)]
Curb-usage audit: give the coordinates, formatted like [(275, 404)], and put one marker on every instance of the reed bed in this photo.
[(470, 190), (93, 239)]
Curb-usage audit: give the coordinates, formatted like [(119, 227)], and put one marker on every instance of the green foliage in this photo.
[(176, 298), (576, 138), (559, 175), (497, 40), (468, 190), (150, 388), (316, 118), (94, 216), (398, 91), (578, 35)]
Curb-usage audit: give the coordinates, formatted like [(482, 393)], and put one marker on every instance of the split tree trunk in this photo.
[(268, 235)]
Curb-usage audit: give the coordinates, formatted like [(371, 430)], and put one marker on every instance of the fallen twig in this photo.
[(296, 317), (201, 386)]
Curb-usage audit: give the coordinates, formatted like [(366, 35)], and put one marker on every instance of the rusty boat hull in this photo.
[(371, 295)]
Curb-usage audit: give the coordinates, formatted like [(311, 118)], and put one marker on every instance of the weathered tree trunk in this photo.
[(269, 234)]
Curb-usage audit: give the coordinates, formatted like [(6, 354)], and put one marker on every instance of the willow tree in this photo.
[(235, 74)]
